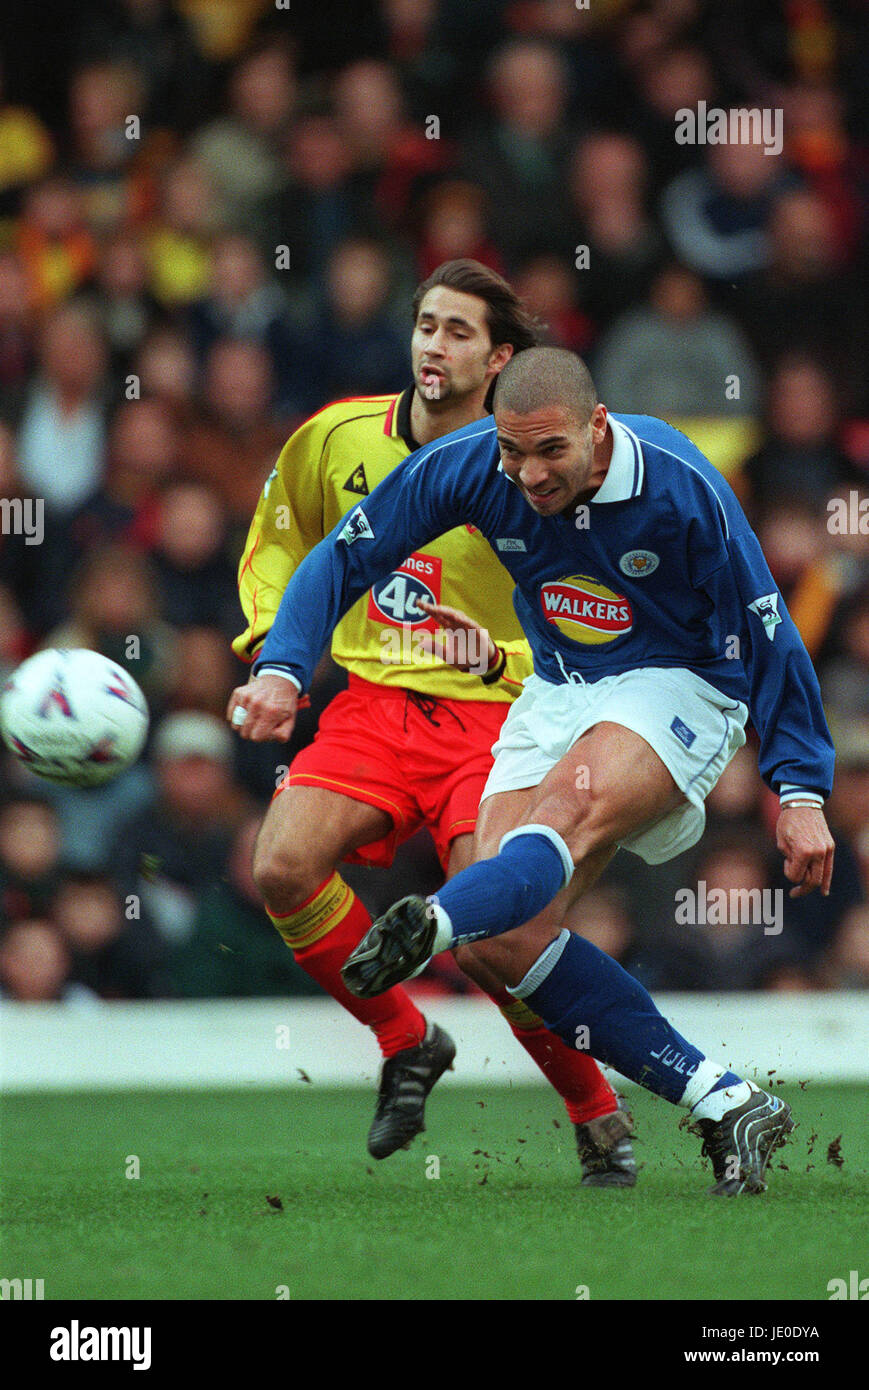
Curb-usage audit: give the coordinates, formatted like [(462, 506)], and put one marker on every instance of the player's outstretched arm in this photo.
[(804, 838), (265, 708), (418, 501)]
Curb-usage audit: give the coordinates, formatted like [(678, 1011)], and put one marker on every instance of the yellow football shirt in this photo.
[(332, 460)]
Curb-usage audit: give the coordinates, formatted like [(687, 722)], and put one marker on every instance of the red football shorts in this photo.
[(423, 761)]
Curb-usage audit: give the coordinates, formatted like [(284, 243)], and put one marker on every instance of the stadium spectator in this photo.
[(195, 575), (354, 347), (125, 307), (30, 848), (242, 303), (28, 151), (143, 451), (56, 249), (845, 677), (608, 179), (453, 227), (740, 945), (236, 438), (165, 367), (800, 457), (157, 42), (849, 803), (520, 159), (17, 333), (114, 610), (389, 157), (797, 551), (15, 640), (847, 965), (548, 287), (116, 187), (114, 951), (34, 966), (180, 239), (240, 151), (664, 78), (313, 209), (63, 416), (177, 848), (805, 295), (205, 673), (233, 950), (33, 570), (676, 357), (715, 216)]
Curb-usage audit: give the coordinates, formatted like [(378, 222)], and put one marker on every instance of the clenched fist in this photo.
[(264, 709)]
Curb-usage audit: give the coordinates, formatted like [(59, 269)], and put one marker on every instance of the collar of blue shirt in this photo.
[(624, 477)]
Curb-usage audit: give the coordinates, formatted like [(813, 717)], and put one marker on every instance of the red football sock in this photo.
[(321, 933), (575, 1075)]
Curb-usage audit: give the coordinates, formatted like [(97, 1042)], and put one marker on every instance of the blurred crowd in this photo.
[(213, 214)]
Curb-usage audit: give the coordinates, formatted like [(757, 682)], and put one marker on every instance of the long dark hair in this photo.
[(506, 316)]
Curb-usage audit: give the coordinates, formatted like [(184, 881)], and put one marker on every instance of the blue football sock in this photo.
[(532, 865), (587, 998)]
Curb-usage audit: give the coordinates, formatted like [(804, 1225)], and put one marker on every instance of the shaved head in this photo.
[(545, 376)]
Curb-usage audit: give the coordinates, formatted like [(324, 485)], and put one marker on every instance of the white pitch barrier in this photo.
[(275, 1042)]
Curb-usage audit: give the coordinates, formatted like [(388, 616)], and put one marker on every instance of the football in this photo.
[(73, 717)]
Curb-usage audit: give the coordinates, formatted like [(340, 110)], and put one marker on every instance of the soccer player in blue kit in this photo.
[(656, 629)]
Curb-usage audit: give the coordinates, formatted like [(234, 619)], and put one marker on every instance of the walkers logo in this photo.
[(585, 610), (393, 600)]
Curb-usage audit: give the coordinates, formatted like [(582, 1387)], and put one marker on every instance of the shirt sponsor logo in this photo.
[(585, 610), (356, 526), (393, 600), (510, 543), (766, 609), (639, 563)]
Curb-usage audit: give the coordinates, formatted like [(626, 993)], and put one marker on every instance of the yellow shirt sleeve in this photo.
[(287, 523)]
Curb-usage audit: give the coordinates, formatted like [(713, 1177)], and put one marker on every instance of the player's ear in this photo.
[(598, 422), (500, 356)]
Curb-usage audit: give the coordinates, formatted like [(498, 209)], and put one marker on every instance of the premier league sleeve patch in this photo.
[(356, 527), (766, 609)]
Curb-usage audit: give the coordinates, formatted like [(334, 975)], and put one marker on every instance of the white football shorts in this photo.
[(694, 729)]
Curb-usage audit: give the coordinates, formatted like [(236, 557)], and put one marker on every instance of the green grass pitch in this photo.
[(506, 1218)]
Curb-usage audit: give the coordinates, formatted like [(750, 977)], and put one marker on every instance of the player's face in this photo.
[(451, 350), (550, 455)]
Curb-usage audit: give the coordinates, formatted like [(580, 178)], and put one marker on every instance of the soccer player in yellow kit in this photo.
[(408, 743)]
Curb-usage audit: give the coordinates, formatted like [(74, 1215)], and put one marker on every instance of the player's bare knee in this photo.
[(583, 825), (284, 878)]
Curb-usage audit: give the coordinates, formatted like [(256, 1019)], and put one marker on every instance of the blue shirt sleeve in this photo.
[(784, 695), (418, 501)]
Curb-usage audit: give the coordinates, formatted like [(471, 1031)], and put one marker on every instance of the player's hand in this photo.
[(264, 709), (804, 839), (476, 653)]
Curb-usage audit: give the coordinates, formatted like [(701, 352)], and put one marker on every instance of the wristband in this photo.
[(497, 670)]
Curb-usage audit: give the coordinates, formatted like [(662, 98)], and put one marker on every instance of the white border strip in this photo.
[(47, 1047)]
